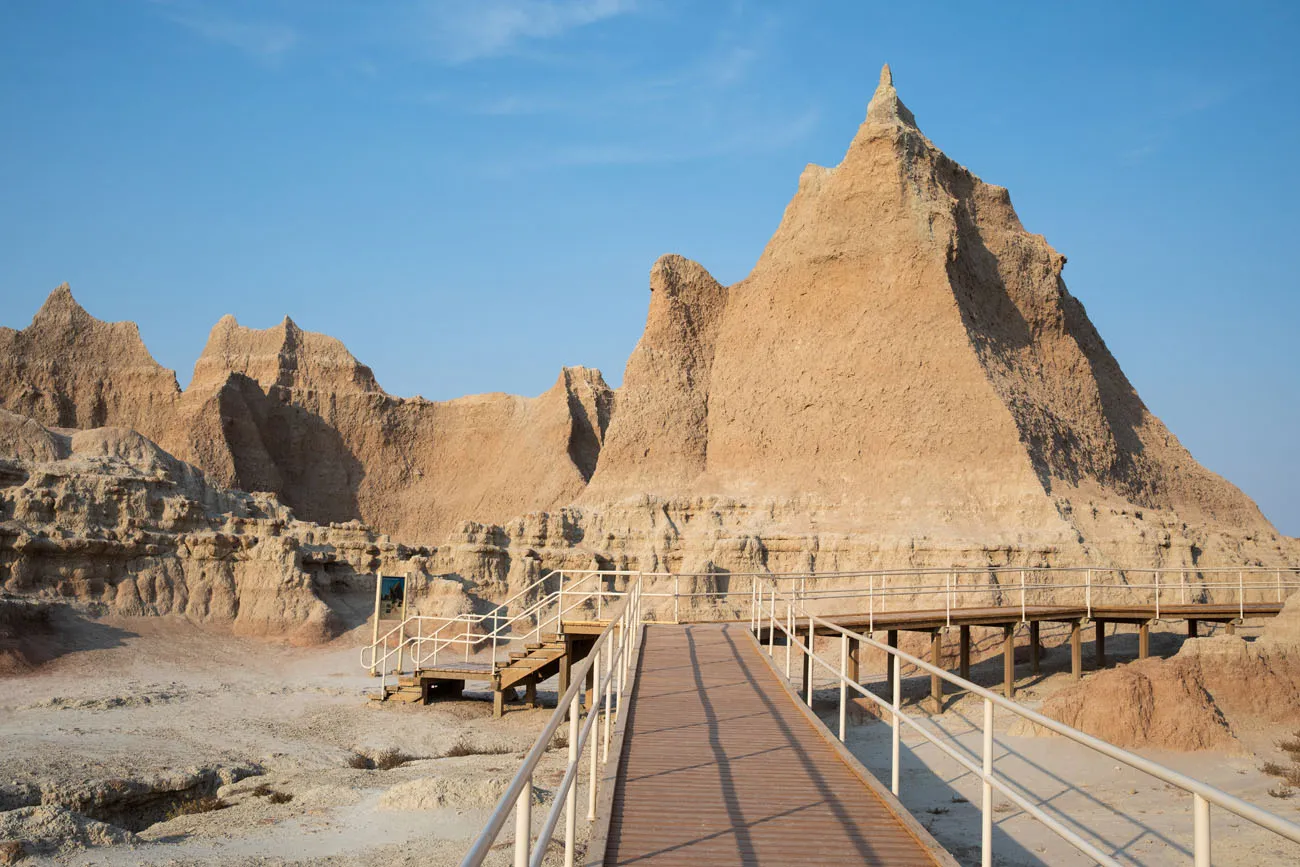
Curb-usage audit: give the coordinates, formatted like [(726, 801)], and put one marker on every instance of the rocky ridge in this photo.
[(903, 380)]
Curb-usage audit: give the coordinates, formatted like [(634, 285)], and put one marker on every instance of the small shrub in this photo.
[(560, 741), (279, 798), (261, 791), (389, 759), (1292, 747), (1290, 776), (1281, 791), (359, 762), (193, 806), (463, 746)]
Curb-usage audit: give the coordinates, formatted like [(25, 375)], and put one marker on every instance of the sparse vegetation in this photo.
[(196, 805), (279, 798), (1291, 746), (1281, 792), (261, 791), (384, 760), (1288, 775), (463, 746)]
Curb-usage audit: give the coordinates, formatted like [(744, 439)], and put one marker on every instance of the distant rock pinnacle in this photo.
[(885, 106)]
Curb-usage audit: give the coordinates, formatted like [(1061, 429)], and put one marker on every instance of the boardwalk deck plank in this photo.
[(720, 767)]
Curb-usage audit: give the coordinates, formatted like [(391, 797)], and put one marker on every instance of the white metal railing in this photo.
[(420, 641), (493, 630), (609, 659), (1023, 587), (765, 616)]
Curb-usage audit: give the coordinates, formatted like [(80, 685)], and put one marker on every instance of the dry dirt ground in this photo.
[(173, 716), (156, 714)]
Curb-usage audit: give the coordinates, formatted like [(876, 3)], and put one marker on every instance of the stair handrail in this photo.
[(613, 649)]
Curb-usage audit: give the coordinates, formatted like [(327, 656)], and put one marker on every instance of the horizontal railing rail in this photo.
[(1204, 795)]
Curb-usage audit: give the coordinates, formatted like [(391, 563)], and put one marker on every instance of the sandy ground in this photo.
[(166, 703), (1139, 818), (173, 702)]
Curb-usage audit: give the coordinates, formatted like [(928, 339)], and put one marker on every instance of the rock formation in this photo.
[(1195, 700), (902, 380), (107, 519)]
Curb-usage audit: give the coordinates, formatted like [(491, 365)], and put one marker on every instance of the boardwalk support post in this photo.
[(1076, 649), (964, 663), (1101, 643), (1144, 639), (1009, 661), (1035, 647)]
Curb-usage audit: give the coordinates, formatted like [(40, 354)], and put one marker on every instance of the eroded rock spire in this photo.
[(885, 106)]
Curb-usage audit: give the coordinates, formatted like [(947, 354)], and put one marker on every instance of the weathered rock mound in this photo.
[(1194, 700)]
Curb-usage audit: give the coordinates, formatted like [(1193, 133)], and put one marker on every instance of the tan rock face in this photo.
[(68, 369), (107, 519)]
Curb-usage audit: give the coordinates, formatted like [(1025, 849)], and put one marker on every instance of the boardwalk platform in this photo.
[(720, 765)]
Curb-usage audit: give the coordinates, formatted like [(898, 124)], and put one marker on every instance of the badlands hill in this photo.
[(903, 379)]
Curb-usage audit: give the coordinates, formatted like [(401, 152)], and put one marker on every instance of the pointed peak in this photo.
[(290, 325), (59, 302), (885, 106)]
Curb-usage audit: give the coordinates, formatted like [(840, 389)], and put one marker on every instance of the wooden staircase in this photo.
[(538, 661)]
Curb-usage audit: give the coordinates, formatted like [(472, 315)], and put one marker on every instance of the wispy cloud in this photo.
[(461, 31), (262, 40)]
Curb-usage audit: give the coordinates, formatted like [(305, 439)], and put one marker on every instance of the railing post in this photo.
[(1022, 596), (609, 687), (571, 796), (1157, 594), (1241, 595), (1184, 581), (677, 617), (771, 621), (871, 603), (1201, 830), (524, 823), (986, 810), (592, 738), (811, 668), (947, 600), (898, 700), (789, 632), (1088, 592), (1279, 585), (844, 687)]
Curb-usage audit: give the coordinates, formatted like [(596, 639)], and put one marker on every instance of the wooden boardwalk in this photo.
[(720, 766)]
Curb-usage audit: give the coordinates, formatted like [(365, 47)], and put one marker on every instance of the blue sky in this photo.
[(471, 195)]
